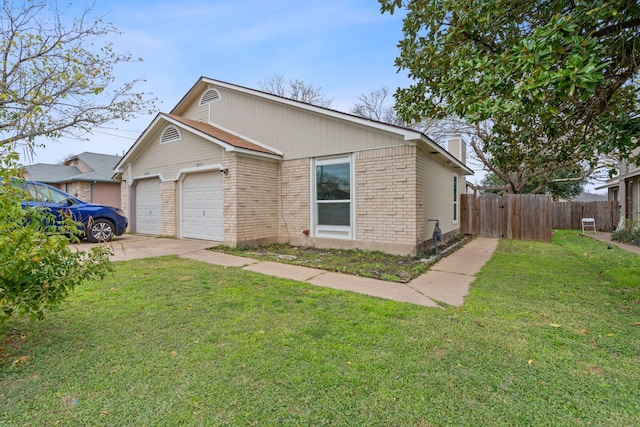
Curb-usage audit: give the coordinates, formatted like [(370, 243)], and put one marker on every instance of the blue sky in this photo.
[(346, 47)]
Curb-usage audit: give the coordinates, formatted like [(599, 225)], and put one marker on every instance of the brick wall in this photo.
[(125, 200), (251, 198), (168, 209), (80, 189), (293, 216), (389, 199)]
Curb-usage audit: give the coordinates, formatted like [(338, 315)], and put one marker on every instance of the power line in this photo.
[(113, 134)]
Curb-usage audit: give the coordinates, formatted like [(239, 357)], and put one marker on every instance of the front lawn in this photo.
[(549, 336)]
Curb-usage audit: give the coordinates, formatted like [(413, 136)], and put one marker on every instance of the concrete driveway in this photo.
[(131, 246)]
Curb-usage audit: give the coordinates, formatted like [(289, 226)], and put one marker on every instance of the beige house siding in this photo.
[(307, 134), (169, 158), (438, 197), (251, 198)]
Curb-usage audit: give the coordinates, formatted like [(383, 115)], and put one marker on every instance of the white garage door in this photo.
[(202, 214), (148, 207)]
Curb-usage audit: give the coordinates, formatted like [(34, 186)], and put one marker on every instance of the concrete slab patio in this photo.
[(447, 282)]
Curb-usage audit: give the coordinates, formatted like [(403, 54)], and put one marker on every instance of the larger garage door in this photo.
[(202, 214), (148, 207)]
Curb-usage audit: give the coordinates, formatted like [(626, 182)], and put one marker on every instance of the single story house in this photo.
[(241, 166), (87, 176), (625, 188)]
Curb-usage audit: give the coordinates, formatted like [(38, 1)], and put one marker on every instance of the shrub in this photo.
[(38, 267), (629, 234)]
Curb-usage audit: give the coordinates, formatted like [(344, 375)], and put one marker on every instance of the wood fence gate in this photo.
[(514, 216)]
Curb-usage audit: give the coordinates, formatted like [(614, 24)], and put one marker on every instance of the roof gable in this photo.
[(221, 137), (287, 119), (196, 91)]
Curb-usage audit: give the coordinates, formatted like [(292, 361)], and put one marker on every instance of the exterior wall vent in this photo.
[(210, 96), (170, 134)]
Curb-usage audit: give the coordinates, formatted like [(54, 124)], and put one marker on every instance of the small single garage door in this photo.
[(202, 214), (148, 207)]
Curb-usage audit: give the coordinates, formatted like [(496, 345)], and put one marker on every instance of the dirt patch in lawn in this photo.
[(374, 264)]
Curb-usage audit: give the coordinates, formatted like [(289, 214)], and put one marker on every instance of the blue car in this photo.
[(100, 223)]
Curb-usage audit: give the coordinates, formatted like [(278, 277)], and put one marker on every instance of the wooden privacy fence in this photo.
[(514, 216), (530, 216), (568, 215)]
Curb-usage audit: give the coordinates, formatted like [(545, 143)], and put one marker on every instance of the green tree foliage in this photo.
[(38, 267), (543, 85), (56, 78)]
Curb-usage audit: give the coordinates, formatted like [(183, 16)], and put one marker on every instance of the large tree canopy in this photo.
[(57, 74), (543, 85)]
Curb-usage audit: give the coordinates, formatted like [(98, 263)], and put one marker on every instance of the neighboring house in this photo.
[(625, 188), (590, 197), (240, 166), (87, 176)]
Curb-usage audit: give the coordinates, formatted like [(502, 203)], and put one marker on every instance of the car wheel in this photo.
[(101, 230)]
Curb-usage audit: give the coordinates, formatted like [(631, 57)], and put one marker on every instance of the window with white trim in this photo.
[(333, 197), (455, 198), (170, 134)]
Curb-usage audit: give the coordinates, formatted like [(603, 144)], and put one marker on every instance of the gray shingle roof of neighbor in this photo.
[(102, 165), (590, 197), (50, 173)]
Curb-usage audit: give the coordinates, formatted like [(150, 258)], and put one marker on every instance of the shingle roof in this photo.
[(590, 197), (221, 135), (102, 165), (50, 173)]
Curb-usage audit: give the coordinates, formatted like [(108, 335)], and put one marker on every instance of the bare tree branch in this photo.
[(296, 90), (53, 82)]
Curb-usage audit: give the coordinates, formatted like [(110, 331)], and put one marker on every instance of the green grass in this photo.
[(547, 337), (375, 264)]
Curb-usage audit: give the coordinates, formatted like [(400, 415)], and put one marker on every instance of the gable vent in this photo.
[(210, 96), (170, 133)]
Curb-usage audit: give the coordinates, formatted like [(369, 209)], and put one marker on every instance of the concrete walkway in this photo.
[(606, 237), (446, 282)]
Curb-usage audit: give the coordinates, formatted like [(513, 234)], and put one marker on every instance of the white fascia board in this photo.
[(611, 184), (432, 146)]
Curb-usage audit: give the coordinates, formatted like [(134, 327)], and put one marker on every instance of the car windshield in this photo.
[(45, 194)]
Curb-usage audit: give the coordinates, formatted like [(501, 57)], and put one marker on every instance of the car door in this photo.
[(47, 198)]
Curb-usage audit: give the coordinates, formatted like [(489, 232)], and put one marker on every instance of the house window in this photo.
[(333, 197), (170, 134), (455, 199)]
